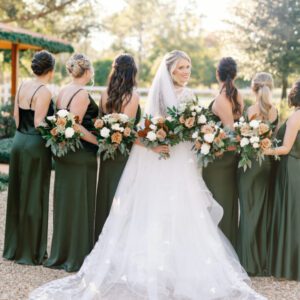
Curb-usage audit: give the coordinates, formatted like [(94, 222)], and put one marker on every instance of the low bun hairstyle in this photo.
[(78, 64), (121, 81), (294, 95), (262, 85), (227, 71), (42, 63)]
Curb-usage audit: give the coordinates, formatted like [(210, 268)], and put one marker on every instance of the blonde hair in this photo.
[(172, 59), (78, 64), (262, 85)]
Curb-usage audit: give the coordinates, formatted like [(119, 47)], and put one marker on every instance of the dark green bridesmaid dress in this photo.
[(220, 177), (74, 202), (109, 175), (284, 251), (256, 191), (28, 192)]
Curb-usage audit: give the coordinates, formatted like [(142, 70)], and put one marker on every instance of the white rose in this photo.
[(255, 145), (254, 139), (151, 136), (194, 113), (242, 119), (254, 124), (205, 149), (202, 119), (124, 118), (153, 127), (116, 126), (169, 118), (209, 137), (198, 109), (155, 120), (244, 142), (69, 132), (236, 124), (62, 113), (51, 118), (195, 135), (104, 132)]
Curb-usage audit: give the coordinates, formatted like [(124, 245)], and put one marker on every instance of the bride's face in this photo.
[(182, 72)]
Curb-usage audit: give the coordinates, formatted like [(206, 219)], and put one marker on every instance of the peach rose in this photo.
[(263, 128), (182, 120), (198, 145), (161, 134), (207, 129), (61, 122), (265, 144), (189, 122), (115, 116), (127, 131), (160, 120), (238, 138), (54, 131), (116, 137), (222, 135), (99, 123), (245, 130)]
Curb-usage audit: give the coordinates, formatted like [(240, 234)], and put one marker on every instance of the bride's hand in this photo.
[(161, 149)]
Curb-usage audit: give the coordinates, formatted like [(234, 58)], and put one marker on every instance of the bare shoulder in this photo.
[(81, 97), (44, 92), (135, 97)]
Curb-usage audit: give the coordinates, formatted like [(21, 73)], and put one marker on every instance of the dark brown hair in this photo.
[(227, 70), (121, 81), (294, 95), (42, 63)]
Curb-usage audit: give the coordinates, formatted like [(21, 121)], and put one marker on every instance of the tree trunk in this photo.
[(284, 87)]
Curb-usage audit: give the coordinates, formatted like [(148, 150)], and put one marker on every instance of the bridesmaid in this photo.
[(75, 176), (220, 175), (29, 170), (284, 251), (256, 188), (120, 97)]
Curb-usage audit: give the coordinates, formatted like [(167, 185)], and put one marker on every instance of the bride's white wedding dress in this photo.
[(161, 240)]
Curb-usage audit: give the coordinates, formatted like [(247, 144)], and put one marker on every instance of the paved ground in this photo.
[(17, 281)]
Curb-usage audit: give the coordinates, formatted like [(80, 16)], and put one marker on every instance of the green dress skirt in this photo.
[(284, 251), (28, 194)]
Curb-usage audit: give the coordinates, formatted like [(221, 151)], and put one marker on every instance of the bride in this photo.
[(161, 240)]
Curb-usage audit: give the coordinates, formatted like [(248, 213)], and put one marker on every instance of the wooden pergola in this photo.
[(18, 39)]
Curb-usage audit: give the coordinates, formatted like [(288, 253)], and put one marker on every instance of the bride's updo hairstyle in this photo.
[(121, 81), (227, 71), (78, 64), (172, 59), (262, 85)]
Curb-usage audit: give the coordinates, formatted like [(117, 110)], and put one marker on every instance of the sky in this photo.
[(215, 11)]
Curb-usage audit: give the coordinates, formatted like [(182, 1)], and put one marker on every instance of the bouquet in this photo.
[(158, 131), (61, 132), (252, 138), (115, 134), (210, 141)]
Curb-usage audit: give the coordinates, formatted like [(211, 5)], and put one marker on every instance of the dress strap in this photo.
[(34, 95), (70, 101)]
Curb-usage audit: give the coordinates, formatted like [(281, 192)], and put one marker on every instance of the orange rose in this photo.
[(54, 131), (198, 145), (207, 129), (189, 122), (127, 131), (265, 144), (263, 128), (161, 134), (182, 120), (222, 135), (99, 123), (76, 127), (61, 122), (245, 130), (217, 139), (116, 138)]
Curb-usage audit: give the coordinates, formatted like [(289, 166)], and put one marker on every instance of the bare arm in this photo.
[(42, 102)]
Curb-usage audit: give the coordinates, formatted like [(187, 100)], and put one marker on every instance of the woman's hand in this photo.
[(269, 151), (161, 149)]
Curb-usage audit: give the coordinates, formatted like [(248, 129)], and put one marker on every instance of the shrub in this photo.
[(5, 148), (3, 182), (7, 122)]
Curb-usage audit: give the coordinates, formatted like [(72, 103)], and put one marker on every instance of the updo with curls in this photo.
[(78, 64), (121, 81), (42, 63), (294, 95), (227, 71)]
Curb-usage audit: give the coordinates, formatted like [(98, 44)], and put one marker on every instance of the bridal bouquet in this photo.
[(188, 116), (115, 134), (210, 141), (62, 132), (252, 138), (158, 131)]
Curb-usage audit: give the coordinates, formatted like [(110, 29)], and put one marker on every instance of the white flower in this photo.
[(169, 118), (255, 145), (124, 118), (51, 118), (193, 108), (104, 132), (209, 137), (62, 113), (198, 109), (254, 123), (242, 119), (205, 149), (244, 142), (155, 120), (254, 139), (153, 127), (115, 126), (194, 113), (236, 124), (69, 132), (151, 136), (182, 107), (195, 135), (202, 119)]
